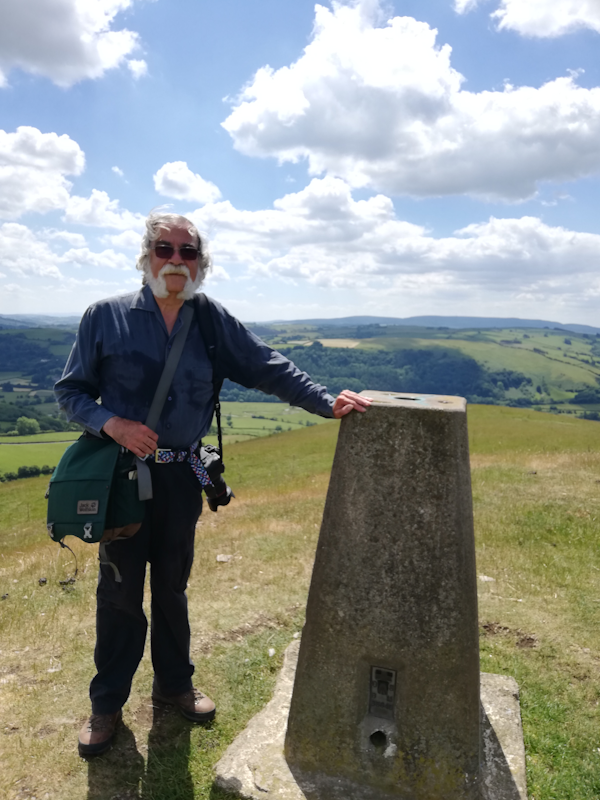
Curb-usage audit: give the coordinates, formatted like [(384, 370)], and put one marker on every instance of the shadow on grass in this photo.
[(118, 773), (167, 768), (122, 774)]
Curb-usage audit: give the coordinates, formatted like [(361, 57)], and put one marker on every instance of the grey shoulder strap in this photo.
[(160, 395), (168, 373)]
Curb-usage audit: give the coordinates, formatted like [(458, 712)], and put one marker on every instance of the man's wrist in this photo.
[(109, 424)]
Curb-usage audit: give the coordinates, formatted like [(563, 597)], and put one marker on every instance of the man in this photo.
[(118, 356)]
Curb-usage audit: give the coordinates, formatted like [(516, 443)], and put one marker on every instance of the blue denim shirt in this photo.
[(119, 354)]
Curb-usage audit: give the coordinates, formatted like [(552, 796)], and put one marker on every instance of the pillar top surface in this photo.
[(432, 402)]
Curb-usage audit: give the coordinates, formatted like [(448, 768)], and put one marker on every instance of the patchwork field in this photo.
[(241, 422)]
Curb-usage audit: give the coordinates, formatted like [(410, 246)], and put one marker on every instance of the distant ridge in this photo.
[(39, 321), (442, 322), (11, 322), (24, 321)]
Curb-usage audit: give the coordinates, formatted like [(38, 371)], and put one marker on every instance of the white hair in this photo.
[(156, 221)]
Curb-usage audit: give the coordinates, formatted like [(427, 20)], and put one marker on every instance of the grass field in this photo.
[(241, 422), (13, 456), (41, 438), (41, 334), (536, 495)]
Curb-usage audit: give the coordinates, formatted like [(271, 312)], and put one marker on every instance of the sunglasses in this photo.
[(167, 251)]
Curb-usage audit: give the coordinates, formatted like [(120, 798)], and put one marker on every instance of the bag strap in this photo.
[(160, 396), (207, 329), (168, 373)]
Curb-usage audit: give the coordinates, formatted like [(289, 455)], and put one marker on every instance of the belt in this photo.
[(163, 455)]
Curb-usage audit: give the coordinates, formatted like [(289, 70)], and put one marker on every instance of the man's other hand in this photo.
[(349, 401), (135, 436)]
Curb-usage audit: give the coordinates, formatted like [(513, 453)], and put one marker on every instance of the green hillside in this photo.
[(546, 369), (536, 505), (559, 363), (241, 422)]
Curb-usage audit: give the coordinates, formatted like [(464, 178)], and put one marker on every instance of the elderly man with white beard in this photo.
[(107, 386)]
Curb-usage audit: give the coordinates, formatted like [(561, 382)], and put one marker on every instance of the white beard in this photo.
[(158, 285)]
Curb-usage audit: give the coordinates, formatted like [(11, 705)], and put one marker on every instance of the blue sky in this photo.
[(358, 157)]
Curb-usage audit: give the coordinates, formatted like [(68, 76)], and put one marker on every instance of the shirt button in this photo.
[(169, 398), (168, 424)]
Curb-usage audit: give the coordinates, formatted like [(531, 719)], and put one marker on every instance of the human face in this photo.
[(175, 282)]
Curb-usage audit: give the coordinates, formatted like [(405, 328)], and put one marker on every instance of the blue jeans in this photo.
[(166, 542)]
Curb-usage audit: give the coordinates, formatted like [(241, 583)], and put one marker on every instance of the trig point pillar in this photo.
[(386, 695)]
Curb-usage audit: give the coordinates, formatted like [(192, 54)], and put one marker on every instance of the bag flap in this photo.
[(87, 459), (79, 489)]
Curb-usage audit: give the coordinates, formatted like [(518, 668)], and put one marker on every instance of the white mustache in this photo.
[(159, 286), (172, 269)]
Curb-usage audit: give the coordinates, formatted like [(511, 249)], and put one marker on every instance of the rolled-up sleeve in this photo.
[(78, 389)]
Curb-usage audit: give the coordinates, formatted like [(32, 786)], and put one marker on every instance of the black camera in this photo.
[(219, 494)]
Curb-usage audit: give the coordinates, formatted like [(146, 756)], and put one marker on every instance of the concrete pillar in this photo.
[(386, 695)]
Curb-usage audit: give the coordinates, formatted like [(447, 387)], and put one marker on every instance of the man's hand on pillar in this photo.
[(348, 401), (135, 436)]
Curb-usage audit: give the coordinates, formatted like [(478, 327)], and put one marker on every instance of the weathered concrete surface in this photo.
[(503, 775), (254, 766), (387, 688)]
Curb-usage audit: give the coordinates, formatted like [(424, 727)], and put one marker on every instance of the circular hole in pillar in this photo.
[(378, 740)]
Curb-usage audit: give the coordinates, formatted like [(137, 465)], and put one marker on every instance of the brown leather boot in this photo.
[(97, 733), (193, 704)]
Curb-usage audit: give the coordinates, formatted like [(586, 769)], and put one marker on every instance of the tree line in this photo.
[(432, 370)]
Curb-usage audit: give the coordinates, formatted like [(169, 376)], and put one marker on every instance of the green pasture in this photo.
[(499, 431), (61, 349), (40, 334), (251, 420), (248, 421), (536, 502), (13, 456), (561, 367), (42, 438), (553, 371)]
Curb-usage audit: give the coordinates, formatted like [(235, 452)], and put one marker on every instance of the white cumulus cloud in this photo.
[(33, 166), (100, 211), (548, 18), (138, 68), (381, 106), (462, 6), (218, 274), (23, 253), (74, 239), (64, 40), (176, 179), (322, 236), (84, 257), (128, 240)]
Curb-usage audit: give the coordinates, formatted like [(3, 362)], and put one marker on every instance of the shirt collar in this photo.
[(144, 299)]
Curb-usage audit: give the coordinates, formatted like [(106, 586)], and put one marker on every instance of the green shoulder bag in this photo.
[(93, 492)]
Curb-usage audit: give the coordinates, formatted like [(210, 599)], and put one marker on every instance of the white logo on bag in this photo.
[(87, 506)]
